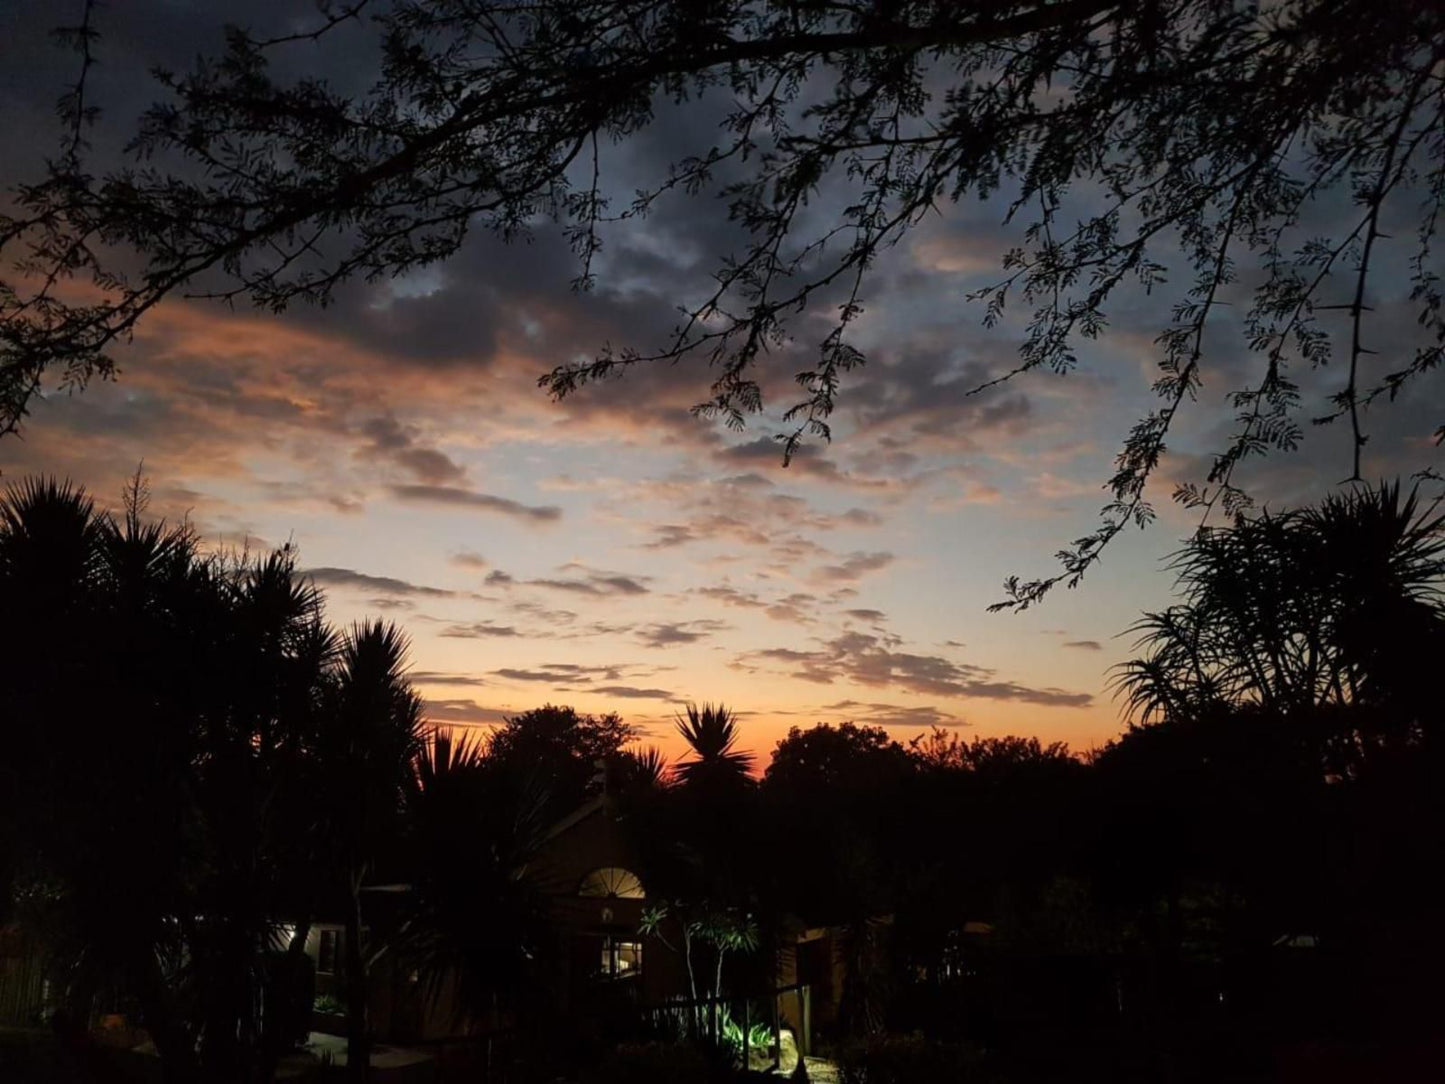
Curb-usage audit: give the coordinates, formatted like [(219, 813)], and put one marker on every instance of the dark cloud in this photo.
[(669, 535), (922, 395), (384, 603), (629, 692), (666, 634), (796, 607), (349, 578), (437, 677), (471, 560), (578, 676), (591, 582), (465, 498), (853, 567), (549, 676), (479, 630), (1085, 645), (595, 584), (462, 713), (876, 714), (731, 596), (389, 439), (869, 660), (867, 615)]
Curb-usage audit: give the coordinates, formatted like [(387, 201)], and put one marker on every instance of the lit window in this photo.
[(612, 883), (326, 953), (620, 959)]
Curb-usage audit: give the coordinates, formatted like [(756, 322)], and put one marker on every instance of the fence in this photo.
[(749, 1024), (23, 988)]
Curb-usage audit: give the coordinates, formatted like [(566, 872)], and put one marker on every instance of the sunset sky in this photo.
[(613, 552)]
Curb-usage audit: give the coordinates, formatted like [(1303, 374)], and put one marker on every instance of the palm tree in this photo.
[(711, 731), (369, 741), (471, 923), (1333, 614)]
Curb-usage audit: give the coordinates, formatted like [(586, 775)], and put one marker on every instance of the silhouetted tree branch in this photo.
[(1200, 132)]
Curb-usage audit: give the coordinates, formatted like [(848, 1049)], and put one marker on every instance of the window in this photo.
[(620, 959), (326, 953), (612, 883)]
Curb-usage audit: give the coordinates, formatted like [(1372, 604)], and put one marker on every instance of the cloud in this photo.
[(810, 460), (466, 559), (876, 714), (596, 584), (547, 676), (578, 676), (462, 713), (867, 615), (436, 677), (479, 630), (666, 634), (853, 567), (384, 603), (1085, 645), (869, 660), (465, 498), (389, 439), (670, 535), (629, 692), (349, 578), (796, 607), (730, 596)]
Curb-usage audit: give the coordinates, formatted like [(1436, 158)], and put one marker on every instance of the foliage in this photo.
[(847, 756), (556, 750), (759, 1036), (711, 731), (1306, 613), (471, 924), (657, 1063), (940, 750), (1181, 147), (702, 922), (229, 761), (910, 1059), (202, 676)]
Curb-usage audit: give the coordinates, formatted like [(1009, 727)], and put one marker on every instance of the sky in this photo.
[(613, 552)]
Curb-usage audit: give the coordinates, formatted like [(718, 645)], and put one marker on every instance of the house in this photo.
[(601, 963), (603, 968)]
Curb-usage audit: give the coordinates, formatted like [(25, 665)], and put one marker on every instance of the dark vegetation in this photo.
[(1274, 160), (1241, 887)]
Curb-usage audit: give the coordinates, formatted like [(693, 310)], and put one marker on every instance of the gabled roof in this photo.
[(577, 816)]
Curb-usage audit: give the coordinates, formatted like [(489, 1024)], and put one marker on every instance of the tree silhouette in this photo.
[(1202, 134), (711, 732), (1306, 613), (556, 750), (371, 735), (165, 811), (470, 926)]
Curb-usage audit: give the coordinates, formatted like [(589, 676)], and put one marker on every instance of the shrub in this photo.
[(657, 1063), (910, 1059)]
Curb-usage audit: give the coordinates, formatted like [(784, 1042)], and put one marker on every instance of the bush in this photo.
[(910, 1059), (290, 979), (658, 1063)]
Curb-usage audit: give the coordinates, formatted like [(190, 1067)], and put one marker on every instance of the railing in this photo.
[(737, 1020), (22, 989)]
